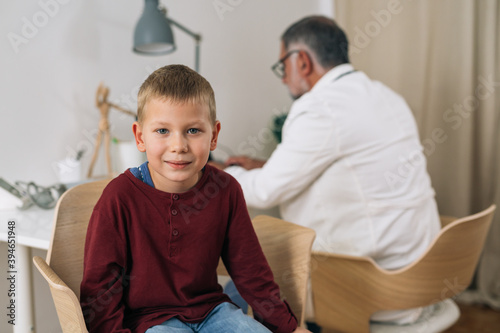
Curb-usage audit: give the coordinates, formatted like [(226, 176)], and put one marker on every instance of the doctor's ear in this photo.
[(306, 64)]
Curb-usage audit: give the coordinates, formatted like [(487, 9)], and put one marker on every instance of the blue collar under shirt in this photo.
[(142, 173)]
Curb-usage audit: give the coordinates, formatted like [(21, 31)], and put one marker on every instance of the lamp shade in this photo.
[(153, 34)]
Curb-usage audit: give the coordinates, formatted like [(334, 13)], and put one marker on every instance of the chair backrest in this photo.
[(73, 210), (447, 267), (287, 248), (353, 288)]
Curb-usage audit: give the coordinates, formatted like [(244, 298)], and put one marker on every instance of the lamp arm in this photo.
[(196, 37)]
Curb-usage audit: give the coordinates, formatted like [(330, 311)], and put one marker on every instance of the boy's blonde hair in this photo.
[(178, 84)]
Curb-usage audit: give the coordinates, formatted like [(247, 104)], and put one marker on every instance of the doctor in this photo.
[(350, 164)]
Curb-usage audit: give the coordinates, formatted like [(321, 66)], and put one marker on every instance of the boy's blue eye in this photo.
[(193, 130), (162, 131)]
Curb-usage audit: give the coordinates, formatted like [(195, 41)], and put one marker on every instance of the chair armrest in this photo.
[(49, 275), (67, 304)]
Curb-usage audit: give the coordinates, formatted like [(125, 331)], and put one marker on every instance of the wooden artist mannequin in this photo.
[(104, 106)]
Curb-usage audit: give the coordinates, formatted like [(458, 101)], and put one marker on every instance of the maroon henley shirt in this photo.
[(152, 255)]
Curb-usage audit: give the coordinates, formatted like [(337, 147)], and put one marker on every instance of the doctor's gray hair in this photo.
[(323, 37)]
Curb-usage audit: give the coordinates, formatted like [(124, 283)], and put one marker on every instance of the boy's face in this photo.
[(177, 139)]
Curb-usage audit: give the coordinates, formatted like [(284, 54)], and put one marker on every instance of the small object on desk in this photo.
[(44, 197), (79, 154), (126, 155), (14, 197), (69, 170)]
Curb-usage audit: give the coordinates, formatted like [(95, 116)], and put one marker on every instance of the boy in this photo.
[(157, 232)]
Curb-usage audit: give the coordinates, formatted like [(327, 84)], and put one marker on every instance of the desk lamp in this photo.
[(153, 33)]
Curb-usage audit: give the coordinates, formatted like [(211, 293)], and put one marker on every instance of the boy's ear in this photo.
[(215, 135), (139, 139)]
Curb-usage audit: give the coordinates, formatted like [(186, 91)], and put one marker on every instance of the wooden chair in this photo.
[(63, 268), (287, 248), (347, 290)]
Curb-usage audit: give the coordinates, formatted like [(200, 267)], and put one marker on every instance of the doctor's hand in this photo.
[(218, 165), (245, 162)]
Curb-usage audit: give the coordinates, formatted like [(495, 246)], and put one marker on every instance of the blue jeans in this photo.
[(225, 318), (231, 291)]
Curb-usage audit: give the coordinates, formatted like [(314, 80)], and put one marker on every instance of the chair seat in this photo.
[(443, 316)]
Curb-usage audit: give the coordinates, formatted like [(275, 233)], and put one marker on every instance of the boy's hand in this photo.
[(301, 330)]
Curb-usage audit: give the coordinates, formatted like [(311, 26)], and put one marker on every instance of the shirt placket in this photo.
[(174, 226)]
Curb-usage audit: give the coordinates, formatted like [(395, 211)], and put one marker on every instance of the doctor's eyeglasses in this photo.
[(279, 67)]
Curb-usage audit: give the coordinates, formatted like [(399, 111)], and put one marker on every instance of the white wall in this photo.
[(48, 81)]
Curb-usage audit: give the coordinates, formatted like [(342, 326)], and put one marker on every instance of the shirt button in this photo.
[(173, 251), (176, 197), (175, 232), (174, 212)]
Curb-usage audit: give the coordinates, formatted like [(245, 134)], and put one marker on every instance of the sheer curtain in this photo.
[(443, 57)]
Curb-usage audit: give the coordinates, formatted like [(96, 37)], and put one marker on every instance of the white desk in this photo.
[(33, 229)]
